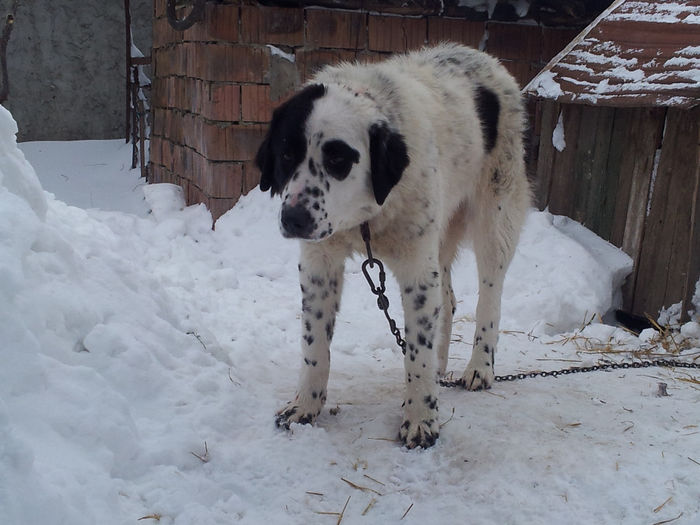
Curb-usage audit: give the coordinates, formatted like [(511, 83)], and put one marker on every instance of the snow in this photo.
[(276, 51), (558, 139), (144, 355), (544, 85)]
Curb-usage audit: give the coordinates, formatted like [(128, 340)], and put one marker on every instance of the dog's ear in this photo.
[(285, 139), (388, 159), (265, 161)]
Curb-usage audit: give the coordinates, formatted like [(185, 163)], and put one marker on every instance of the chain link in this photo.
[(382, 299), (383, 305)]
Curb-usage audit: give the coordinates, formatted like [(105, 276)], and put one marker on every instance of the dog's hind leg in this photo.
[(448, 250), (498, 222), (321, 280)]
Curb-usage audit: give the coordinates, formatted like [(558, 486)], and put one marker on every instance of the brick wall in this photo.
[(215, 84)]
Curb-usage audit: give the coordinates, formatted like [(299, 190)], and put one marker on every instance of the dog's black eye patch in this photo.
[(338, 158)]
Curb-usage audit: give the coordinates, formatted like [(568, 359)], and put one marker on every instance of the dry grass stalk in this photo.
[(407, 510), (339, 514), (204, 458), (669, 521), (314, 493), (657, 509), (153, 516), (375, 480), (360, 487), (369, 506), (696, 462), (449, 418)]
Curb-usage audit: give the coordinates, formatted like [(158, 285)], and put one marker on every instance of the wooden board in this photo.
[(694, 255), (662, 273), (563, 184), (545, 158)]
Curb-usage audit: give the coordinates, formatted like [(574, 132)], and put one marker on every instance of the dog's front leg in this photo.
[(321, 280), (422, 299)]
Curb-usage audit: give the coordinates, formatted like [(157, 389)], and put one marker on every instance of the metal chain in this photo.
[(658, 363), (383, 304), (382, 299)]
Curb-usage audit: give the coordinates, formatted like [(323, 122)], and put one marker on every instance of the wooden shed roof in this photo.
[(636, 53)]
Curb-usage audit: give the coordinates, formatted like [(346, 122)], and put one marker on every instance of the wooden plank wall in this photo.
[(632, 175)]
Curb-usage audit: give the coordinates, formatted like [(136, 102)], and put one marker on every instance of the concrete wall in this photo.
[(66, 66)]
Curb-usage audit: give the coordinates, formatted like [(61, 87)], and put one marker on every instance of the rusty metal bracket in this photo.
[(196, 15)]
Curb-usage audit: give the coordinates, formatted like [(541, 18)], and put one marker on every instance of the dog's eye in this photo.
[(287, 157), (338, 158)]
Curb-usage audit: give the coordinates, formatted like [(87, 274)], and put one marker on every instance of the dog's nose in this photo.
[(296, 221)]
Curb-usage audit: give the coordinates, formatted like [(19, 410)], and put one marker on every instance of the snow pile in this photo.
[(144, 357)]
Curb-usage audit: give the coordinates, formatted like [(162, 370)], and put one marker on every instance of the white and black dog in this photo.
[(427, 148)]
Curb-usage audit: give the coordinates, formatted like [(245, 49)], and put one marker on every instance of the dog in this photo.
[(427, 148)]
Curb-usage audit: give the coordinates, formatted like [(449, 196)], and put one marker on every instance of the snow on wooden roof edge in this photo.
[(629, 56)]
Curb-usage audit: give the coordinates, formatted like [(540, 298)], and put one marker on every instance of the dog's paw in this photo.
[(422, 434), (420, 427), (477, 378), (294, 413)]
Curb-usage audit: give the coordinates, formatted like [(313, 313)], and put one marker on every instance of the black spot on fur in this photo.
[(489, 108), (388, 159), (312, 167), (430, 401), (338, 158), (419, 301), (284, 146)]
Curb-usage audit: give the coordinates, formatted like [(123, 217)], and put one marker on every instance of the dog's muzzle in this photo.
[(296, 221)]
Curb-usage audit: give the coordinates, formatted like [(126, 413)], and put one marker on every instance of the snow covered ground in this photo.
[(144, 355)]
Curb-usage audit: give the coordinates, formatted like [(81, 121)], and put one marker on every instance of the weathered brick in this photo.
[(251, 177), (155, 173), (455, 30), (222, 22), (396, 33), (155, 149), (227, 63), (272, 25), (223, 179), (336, 29), (193, 194), (217, 207), (159, 8), (231, 142), (256, 105), (159, 95), (221, 102), (311, 61)]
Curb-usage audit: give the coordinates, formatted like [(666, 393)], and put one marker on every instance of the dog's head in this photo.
[(333, 160)]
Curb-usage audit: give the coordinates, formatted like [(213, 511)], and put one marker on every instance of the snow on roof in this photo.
[(636, 53)]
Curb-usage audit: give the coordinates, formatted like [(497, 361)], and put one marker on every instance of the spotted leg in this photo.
[(497, 232), (422, 300), (449, 304), (321, 280)]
